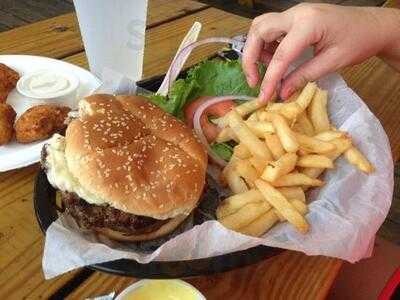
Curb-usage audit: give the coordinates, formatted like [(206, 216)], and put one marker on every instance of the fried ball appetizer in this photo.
[(7, 118), (40, 122), (8, 81)]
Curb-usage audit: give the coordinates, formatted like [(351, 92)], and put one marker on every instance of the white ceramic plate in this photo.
[(14, 155)]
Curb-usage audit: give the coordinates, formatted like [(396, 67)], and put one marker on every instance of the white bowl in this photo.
[(140, 283)]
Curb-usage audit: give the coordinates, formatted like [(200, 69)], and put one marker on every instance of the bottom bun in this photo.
[(123, 237)]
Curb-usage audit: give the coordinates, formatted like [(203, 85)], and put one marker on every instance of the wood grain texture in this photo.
[(168, 37), (379, 86), (290, 275), (21, 241), (35, 10), (59, 37)]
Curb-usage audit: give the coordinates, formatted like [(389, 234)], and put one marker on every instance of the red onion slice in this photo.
[(197, 126)]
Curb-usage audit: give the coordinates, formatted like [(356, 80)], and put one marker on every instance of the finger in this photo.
[(292, 45), (322, 64), (265, 57), (263, 30), (251, 55)]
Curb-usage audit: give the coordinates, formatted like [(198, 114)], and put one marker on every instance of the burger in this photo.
[(126, 169)]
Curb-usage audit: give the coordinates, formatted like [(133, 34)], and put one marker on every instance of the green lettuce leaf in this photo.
[(218, 78), (223, 150), (210, 78), (176, 99)]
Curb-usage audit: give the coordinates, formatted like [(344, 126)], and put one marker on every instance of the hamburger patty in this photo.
[(91, 216)]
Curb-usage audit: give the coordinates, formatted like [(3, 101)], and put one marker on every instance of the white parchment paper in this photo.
[(344, 215)]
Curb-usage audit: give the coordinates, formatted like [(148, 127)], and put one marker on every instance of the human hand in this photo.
[(340, 36)]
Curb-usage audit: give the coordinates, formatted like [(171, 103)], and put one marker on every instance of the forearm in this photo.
[(390, 53)]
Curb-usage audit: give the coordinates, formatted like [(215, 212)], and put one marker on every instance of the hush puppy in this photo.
[(8, 81), (7, 118), (40, 122)]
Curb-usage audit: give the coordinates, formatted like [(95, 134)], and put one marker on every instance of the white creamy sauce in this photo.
[(46, 83), (58, 173)]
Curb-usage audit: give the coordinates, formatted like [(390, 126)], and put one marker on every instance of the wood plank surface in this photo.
[(379, 86), (290, 275), (35, 10), (59, 37), (21, 241)]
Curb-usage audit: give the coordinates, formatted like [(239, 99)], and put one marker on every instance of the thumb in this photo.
[(324, 63)]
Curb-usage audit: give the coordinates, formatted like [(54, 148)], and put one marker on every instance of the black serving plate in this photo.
[(46, 213)]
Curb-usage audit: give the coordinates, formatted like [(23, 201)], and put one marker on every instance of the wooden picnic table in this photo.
[(287, 276)]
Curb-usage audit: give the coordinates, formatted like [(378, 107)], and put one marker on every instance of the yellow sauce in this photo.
[(162, 290)]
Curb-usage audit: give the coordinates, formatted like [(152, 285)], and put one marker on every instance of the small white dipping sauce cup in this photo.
[(49, 86)]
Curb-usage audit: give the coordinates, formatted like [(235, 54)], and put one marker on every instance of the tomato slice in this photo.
[(210, 130)]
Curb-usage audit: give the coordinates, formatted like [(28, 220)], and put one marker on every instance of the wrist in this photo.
[(388, 30)]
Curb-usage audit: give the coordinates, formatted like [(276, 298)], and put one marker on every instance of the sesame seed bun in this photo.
[(136, 158)]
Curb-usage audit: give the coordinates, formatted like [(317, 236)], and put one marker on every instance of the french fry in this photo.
[(226, 134), (258, 163), (241, 151), (293, 192), (274, 107), (242, 109), (300, 206), (305, 124), (281, 204), (264, 222), (289, 110), (233, 203), (356, 158), (341, 145), (284, 165), (234, 181), (306, 95), (248, 107), (247, 172), (329, 135), (285, 134), (260, 225), (266, 115), (296, 179), (253, 117), (247, 137), (314, 161), (312, 172), (314, 145), (260, 128), (274, 145), (245, 215), (318, 111)]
